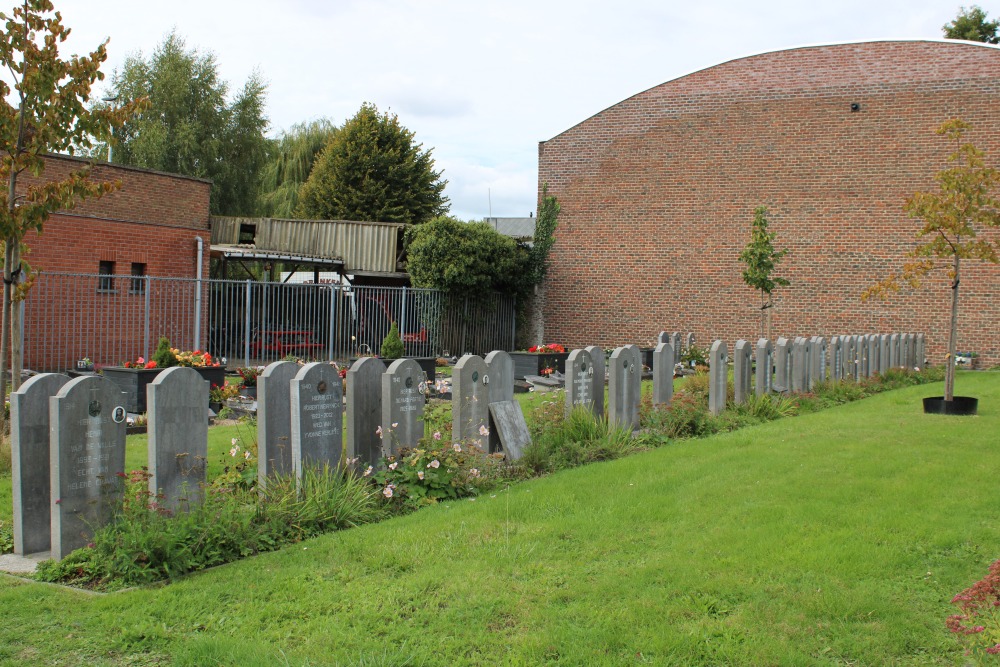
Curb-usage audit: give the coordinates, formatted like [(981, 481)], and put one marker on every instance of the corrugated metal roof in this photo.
[(518, 228), (362, 246)]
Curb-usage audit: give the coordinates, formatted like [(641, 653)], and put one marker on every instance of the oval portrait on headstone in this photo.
[(321, 386), (118, 415), (486, 379), (409, 383), (475, 376)]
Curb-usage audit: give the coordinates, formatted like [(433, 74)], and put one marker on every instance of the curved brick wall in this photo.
[(658, 192)]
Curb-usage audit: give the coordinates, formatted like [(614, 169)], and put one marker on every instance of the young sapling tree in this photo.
[(761, 259)]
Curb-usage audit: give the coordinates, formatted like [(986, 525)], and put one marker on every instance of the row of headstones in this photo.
[(68, 436), (796, 365)]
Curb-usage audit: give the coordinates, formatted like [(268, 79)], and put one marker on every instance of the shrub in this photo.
[(6, 537), (576, 440), (164, 356), (392, 344)]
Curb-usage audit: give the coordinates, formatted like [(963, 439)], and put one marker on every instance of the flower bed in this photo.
[(133, 382)]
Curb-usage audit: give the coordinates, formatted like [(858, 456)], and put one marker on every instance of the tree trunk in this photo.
[(949, 371), (16, 351), (5, 328)]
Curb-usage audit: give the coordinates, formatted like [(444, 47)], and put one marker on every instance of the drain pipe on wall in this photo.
[(197, 295)]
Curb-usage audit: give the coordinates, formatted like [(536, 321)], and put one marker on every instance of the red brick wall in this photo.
[(658, 193), (153, 219)]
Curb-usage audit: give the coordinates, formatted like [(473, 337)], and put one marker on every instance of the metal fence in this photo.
[(111, 319)]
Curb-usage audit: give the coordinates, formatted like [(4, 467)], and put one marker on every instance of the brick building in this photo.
[(658, 193), (148, 227)]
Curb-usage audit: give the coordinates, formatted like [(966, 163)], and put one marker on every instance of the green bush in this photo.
[(6, 537), (392, 344), (576, 440), (164, 356)]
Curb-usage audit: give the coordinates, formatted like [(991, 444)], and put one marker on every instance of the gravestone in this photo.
[(663, 337), (884, 353), (177, 445), (663, 374), (800, 364), (511, 429), (689, 342), (895, 359), (470, 400), (850, 357), (765, 367), (403, 386), (600, 378), (782, 365), (624, 387), (861, 348), (86, 455), (911, 351), (29, 431), (817, 360), (501, 388), (580, 382), (872, 343), (364, 411), (316, 400), (741, 372), (920, 360), (274, 420), (718, 377), (836, 358)]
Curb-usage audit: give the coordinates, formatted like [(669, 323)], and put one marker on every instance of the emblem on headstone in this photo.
[(321, 386), (94, 408), (409, 383), (118, 415)]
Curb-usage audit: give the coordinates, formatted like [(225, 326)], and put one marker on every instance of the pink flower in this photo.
[(367, 472), (457, 447), (420, 475), (483, 430), (474, 472), (434, 464), (387, 491), (395, 424), (378, 431), (437, 435), (392, 466)]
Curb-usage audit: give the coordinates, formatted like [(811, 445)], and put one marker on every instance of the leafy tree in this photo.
[(373, 170), (467, 257), (761, 259), (190, 128), (968, 197), (49, 115), (291, 159), (971, 24)]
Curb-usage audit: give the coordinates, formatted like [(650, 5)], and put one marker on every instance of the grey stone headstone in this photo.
[(274, 420), (624, 387), (718, 377), (580, 382), (663, 337), (850, 358), (178, 436), (895, 358), (836, 358), (87, 453), (600, 377), (501, 386), (689, 342), (403, 398), (911, 351), (29, 431), (470, 400), (742, 379), (675, 342), (663, 374), (317, 407), (872, 343), (861, 350), (920, 360), (817, 360), (783, 365), (800, 364), (765, 367), (512, 430), (364, 411), (884, 353)]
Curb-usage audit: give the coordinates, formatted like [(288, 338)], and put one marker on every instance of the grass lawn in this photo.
[(835, 538)]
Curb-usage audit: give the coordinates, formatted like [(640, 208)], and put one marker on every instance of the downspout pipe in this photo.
[(197, 294)]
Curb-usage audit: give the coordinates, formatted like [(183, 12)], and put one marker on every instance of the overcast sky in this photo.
[(481, 82)]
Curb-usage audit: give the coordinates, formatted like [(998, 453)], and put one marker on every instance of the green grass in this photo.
[(834, 538)]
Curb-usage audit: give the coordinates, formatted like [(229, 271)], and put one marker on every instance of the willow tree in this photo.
[(44, 110), (966, 202)]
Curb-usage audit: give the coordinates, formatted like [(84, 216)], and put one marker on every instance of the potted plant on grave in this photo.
[(537, 358), (248, 380), (967, 202), (133, 376)]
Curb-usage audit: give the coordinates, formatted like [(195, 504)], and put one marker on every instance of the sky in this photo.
[(481, 83)]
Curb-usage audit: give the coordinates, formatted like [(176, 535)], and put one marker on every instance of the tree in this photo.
[(372, 170), (761, 259), (971, 24), (968, 197), (189, 127), (291, 159), (50, 116), (466, 257)]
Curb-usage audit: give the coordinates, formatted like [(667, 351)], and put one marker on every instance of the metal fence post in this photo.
[(246, 327), (402, 316), (145, 331), (333, 321)]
